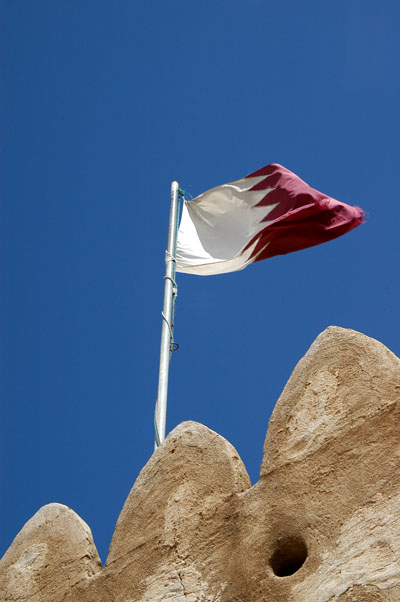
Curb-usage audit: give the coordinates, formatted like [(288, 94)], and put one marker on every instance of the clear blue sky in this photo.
[(103, 104)]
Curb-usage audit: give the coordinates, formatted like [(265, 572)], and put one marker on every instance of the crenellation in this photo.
[(321, 525)]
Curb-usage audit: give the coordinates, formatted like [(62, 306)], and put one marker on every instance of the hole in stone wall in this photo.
[(288, 557)]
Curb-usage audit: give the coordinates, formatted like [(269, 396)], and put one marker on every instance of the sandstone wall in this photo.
[(321, 525)]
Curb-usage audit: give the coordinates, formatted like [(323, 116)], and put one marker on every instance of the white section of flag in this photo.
[(217, 225)]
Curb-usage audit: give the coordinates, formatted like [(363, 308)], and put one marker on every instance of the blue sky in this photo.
[(102, 105)]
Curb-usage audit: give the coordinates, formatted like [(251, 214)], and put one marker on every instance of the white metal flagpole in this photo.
[(167, 328)]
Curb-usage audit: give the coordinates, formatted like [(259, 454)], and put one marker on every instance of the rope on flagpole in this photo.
[(173, 344), (169, 257)]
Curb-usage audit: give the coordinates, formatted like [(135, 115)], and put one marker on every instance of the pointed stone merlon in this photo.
[(172, 516), (344, 379), (51, 554)]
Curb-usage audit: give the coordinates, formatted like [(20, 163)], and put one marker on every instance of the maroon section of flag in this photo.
[(303, 217)]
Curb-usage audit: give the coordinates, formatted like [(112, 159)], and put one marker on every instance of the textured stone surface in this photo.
[(50, 556), (321, 525)]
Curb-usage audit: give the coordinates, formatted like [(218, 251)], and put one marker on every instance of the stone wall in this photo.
[(321, 525)]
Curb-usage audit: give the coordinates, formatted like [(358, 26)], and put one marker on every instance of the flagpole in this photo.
[(167, 327)]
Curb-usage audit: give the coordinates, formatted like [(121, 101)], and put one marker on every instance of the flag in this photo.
[(270, 212)]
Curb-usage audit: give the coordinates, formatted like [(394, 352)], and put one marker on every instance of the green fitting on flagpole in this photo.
[(185, 195)]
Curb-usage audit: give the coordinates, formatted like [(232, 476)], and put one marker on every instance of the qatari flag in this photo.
[(270, 212)]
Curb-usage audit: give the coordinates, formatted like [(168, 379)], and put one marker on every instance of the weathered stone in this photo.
[(173, 517), (50, 556), (321, 525), (344, 380)]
